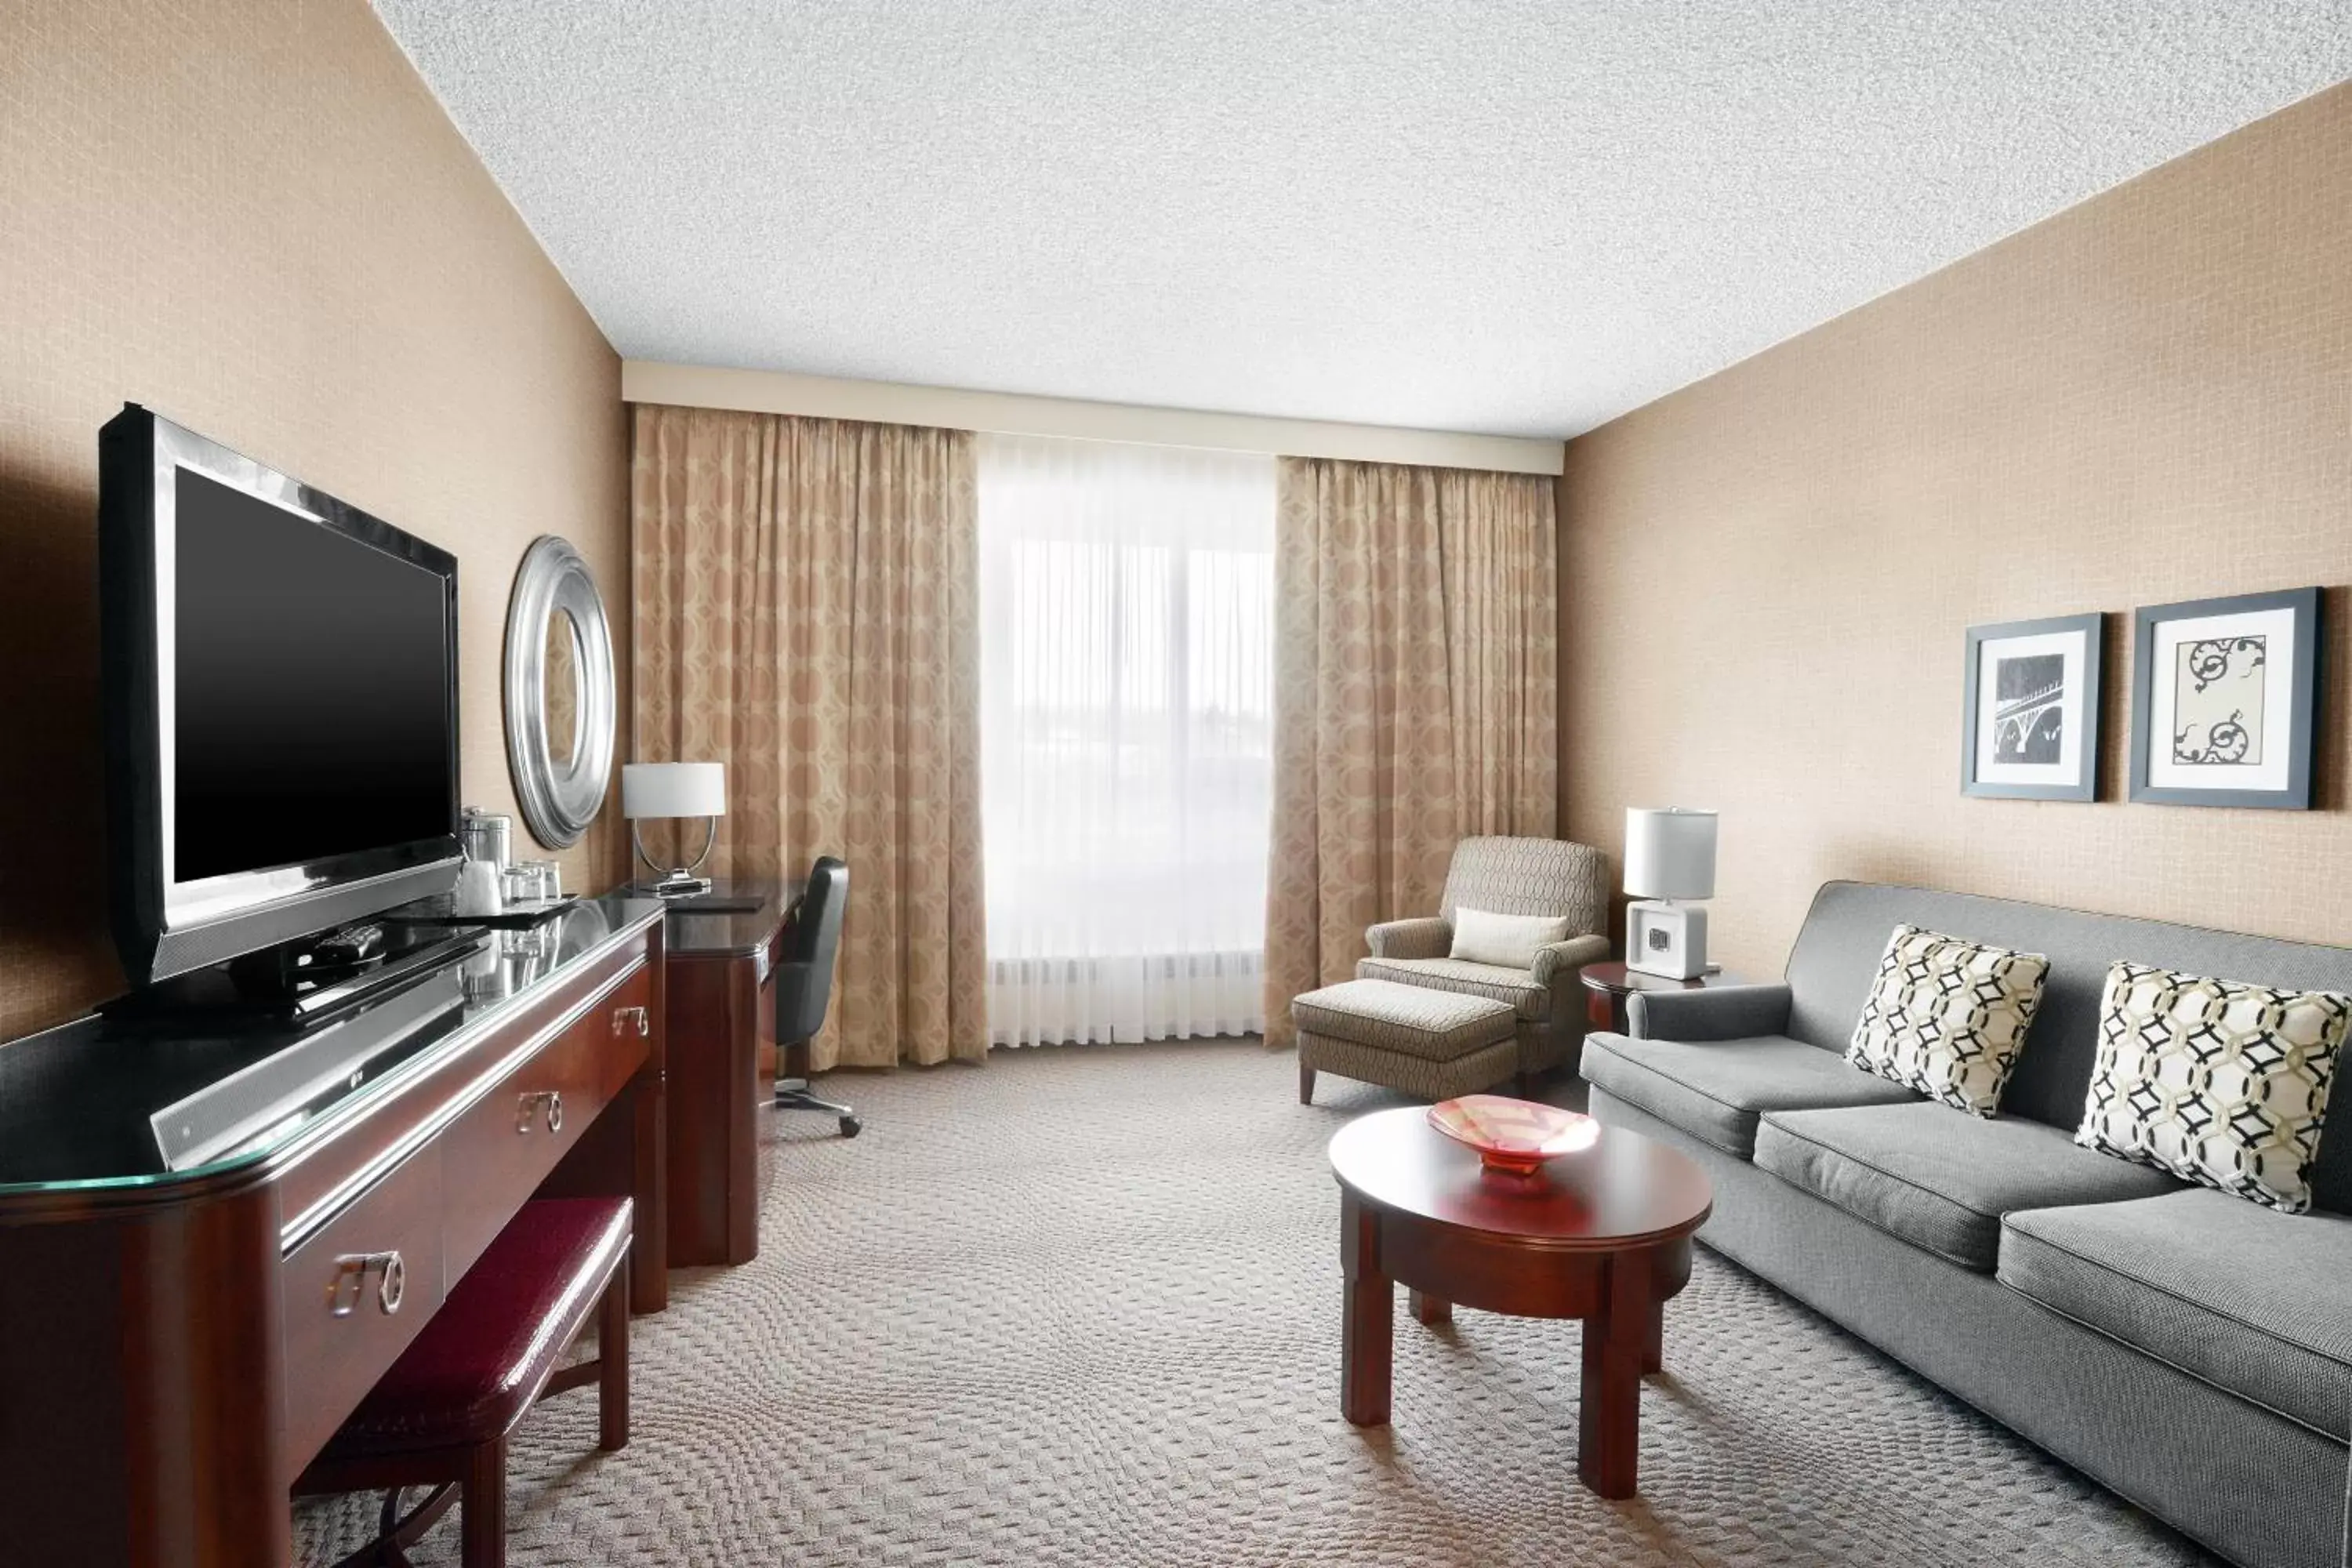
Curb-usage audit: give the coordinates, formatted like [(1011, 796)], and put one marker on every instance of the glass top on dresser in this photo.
[(115, 1103)]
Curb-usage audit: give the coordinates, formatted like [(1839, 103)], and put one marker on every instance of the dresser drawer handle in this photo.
[(354, 1267), (637, 1015), (533, 1104)]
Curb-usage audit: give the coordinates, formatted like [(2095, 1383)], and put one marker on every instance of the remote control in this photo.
[(352, 944)]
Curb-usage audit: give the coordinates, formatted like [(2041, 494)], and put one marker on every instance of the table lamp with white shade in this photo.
[(674, 789), (1669, 855)]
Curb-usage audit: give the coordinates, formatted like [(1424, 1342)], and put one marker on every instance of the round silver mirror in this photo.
[(562, 694), (559, 696)]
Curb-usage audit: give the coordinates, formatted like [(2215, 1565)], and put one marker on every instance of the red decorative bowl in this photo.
[(1514, 1136)]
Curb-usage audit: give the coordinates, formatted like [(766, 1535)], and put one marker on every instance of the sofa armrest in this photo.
[(1562, 960), (1718, 1013), (1428, 937)]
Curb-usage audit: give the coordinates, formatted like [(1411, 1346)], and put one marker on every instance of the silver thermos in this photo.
[(487, 835), (488, 840)]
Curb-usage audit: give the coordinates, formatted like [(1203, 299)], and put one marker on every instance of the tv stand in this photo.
[(181, 1342)]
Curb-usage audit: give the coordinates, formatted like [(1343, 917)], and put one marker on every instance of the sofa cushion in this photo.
[(1436, 1025), (2250, 1299), (1516, 988), (1947, 1017), (2215, 1081), (1716, 1090), (1940, 1179)]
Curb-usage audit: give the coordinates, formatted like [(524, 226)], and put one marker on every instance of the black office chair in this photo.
[(805, 981)]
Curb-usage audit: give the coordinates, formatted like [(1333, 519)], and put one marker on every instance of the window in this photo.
[(1127, 660)]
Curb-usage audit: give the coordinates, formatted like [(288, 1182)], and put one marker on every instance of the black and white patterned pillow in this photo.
[(1947, 1017), (2215, 1081)]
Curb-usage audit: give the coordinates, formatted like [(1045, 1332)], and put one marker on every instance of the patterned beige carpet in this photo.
[(1081, 1307)]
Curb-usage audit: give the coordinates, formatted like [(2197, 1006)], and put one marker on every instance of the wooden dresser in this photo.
[(179, 1336)]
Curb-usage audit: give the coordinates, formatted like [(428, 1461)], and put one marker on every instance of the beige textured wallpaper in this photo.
[(1764, 577), (251, 215)]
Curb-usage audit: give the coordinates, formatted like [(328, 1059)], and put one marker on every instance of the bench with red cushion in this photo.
[(442, 1414)]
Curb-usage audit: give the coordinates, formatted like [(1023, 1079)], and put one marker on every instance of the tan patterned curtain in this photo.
[(804, 596), (1415, 618)]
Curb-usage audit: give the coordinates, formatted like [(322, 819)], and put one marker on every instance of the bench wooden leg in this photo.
[(482, 1509), (613, 1364), (1305, 1084)]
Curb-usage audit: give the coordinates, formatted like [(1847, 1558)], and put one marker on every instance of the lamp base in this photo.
[(1666, 938), (678, 881), (678, 884)]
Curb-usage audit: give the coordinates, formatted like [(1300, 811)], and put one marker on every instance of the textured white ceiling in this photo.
[(1518, 216)]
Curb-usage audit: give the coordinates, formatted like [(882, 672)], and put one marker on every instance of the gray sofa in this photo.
[(2189, 1348)]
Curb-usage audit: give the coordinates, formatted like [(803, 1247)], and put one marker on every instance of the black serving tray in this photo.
[(442, 910)]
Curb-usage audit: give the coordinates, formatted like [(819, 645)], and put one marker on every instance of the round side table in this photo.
[(1606, 986), (1602, 1233)]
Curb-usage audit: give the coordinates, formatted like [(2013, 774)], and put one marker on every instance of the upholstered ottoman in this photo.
[(1437, 1044)]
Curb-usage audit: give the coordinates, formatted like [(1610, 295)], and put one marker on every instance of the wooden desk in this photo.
[(177, 1345), (722, 1064)]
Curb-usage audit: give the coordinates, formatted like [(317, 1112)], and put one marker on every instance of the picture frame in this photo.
[(2225, 700), (2030, 709)]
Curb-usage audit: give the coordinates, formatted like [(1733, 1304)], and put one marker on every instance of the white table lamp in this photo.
[(674, 789), (1669, 855)]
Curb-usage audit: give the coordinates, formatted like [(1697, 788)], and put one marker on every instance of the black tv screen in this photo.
[(310, 709), (280, 703)]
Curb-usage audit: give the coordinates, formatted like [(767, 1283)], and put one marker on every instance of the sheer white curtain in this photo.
[(1126, 738)]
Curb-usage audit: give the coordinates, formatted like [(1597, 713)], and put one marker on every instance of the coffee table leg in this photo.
[(1616, 1344), (1653, 1348), (1366, 1318), (1431, 1310)]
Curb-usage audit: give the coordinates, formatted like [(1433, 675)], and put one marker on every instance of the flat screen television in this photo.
[(281, 699)]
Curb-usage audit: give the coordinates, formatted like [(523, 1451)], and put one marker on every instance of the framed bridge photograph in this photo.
[(2030, 728), (2225, 701)]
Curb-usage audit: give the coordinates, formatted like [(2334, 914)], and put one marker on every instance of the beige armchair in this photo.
[(1546, 877)]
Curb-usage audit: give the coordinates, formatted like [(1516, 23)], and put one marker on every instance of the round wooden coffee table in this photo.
[(1602, 1234)]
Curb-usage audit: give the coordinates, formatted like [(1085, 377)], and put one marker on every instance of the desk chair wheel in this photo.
[(793, 1094)]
